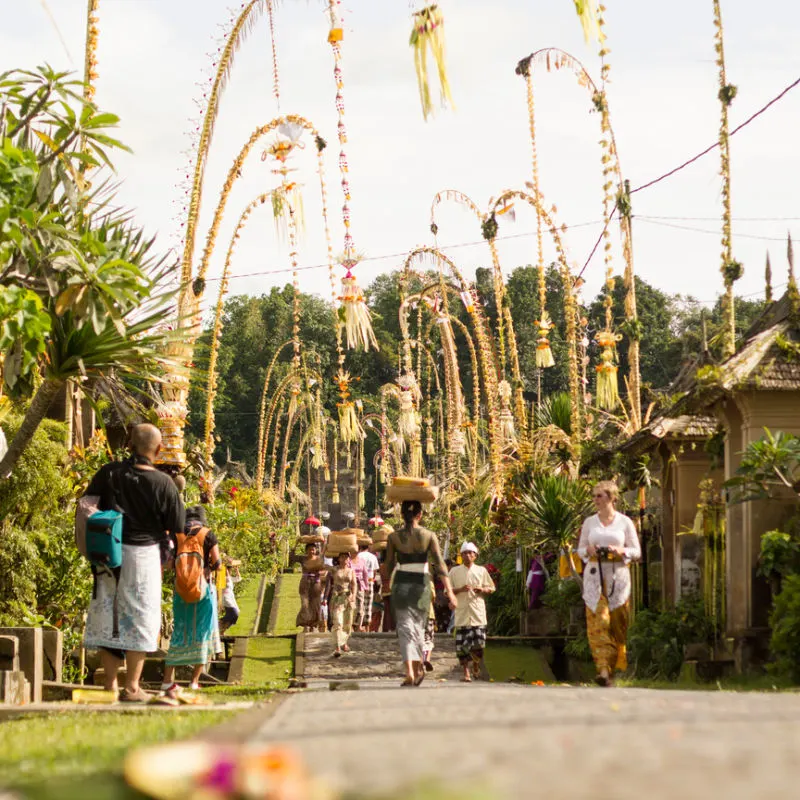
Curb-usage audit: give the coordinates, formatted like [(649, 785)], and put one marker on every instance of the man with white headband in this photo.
[(471, 584)]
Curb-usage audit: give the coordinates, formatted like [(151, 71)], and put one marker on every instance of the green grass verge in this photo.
[(269, 663), (737, 683), (288, 604), (80, 755), (525, 664), (247, 598)]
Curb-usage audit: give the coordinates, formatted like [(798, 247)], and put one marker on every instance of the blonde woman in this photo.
[(608, 544)]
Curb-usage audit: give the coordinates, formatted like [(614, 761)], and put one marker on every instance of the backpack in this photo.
[(98, 534), (190, 578)]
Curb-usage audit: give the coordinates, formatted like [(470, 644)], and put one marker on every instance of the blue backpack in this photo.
[(104, 539), (98, 534)]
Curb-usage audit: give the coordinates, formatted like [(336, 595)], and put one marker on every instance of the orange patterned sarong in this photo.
[(608, 635)]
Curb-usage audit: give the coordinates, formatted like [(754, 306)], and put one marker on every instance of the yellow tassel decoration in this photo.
[(544, 355), (357, 319), (507, 432), (428, 32), (607, 383), (349, 427), (589, 16)]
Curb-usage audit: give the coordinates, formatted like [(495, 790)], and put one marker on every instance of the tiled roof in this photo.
[(685, 426)]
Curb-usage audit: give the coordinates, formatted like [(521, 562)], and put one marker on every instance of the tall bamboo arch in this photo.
[(504, 318), (485, 350)]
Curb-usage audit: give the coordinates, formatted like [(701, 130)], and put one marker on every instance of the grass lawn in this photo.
[(736, 683), (527, 664), (79, 755), (269, 662), (247, 598), (288, 600)]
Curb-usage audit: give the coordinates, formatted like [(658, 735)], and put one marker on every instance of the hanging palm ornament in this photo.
[(409, 420), (428, 34), (607, 382), (335, 489), (349, 427), (507, 431), (588, 11), (356, 316)]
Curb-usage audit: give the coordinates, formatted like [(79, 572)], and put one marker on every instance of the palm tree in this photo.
[(551, 512)]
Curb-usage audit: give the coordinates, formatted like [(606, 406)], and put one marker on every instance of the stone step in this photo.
[(372, 656)]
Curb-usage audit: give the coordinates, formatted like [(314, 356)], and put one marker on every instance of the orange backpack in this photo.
[(190, 578)]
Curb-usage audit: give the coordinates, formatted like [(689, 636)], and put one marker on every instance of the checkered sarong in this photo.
[(363, 615), (470, 640)]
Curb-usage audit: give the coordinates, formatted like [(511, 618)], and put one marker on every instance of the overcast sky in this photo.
[(155, 59)]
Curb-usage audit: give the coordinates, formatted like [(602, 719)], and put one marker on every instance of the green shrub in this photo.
[(780, 555), (562, 595), (785, 623), (656, 639)]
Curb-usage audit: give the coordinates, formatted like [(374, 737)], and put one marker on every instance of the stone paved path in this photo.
[(373, 656), (546, 742)]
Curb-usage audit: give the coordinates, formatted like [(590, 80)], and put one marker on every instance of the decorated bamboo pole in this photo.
[(570, 306), (357, 323), (486, 356), (90, 60), (262, 444), (507, 340), (556, 59), (731, 269)]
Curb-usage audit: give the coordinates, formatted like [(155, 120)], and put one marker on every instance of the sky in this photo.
[(155, 60)]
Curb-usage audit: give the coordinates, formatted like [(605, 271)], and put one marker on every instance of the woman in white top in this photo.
[(607, 545)]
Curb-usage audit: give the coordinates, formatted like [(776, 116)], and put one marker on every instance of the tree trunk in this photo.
[(38, 408)]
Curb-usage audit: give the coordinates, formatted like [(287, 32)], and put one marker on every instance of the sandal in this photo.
[(337, 653), (429, 666), (421, 677), (407, 682), (466, 679), (139, 696)]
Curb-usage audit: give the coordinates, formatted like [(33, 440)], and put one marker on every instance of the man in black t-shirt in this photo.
[(124, 617)]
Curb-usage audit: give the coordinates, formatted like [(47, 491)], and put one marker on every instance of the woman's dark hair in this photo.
[(409, 511), (196, 514)]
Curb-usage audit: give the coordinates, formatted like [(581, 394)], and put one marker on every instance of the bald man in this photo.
[(124, 617)]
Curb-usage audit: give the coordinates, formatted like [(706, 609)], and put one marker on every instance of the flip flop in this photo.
[(429, 666), (418, 680), (134, 697), (466, 680), (407, 682)]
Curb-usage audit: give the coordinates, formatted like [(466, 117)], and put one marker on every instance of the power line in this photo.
[(656, 221), (716, 144)]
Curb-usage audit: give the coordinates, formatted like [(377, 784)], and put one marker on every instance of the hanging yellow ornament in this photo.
[(544, 355), (588, 11), (507, 432), (607, 383), (428, 32), (357, 319)]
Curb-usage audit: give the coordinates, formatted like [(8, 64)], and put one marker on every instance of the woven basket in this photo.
[(381, 536), (423, 494), (313, 565), (341, 542), (378, 547), (313, 538)]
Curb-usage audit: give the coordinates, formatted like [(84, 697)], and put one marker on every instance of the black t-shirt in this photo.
[(148, 499)]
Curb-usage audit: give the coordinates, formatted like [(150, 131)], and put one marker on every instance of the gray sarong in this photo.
[(411, 624)]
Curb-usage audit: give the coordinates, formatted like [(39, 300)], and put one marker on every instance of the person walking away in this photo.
[(471, 584), (309, 618), (409, 553), (124, 617), (230, 608), (608, 544), (194, 604), (342, 588), (366, 566)]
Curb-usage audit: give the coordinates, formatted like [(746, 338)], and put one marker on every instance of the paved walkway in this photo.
[(503, 741), (373, 656)]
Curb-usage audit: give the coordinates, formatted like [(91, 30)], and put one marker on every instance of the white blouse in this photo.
[(620, 532)]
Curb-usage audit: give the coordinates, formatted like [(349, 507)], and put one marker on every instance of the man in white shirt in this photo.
[(471, 583)]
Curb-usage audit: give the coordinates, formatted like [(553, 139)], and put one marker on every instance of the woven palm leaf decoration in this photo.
[(428, 34)]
